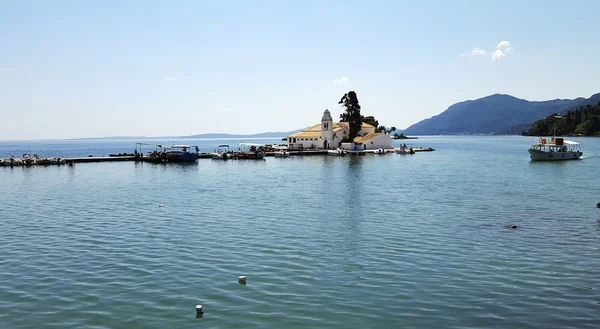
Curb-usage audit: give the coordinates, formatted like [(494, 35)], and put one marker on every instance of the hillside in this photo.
[(492, 115), (583, 121)]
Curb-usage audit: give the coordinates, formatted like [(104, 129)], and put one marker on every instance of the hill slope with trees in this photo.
[(494, 114), (584, 121)]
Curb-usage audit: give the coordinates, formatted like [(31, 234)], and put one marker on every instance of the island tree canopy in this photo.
[(373, 122), (351, 114)]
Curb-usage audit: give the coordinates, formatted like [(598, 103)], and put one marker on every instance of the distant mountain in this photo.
[(216, 135), (261, 135), (494, 114), (107, 137), (122, 137)]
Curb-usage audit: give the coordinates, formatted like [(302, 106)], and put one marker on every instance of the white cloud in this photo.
[(475, 52), (340, 81), (499, 53), (170, 79), (503, 44), (502, 50)]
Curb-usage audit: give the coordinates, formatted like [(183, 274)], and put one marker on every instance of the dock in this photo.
[(100, 159), (37, 161)]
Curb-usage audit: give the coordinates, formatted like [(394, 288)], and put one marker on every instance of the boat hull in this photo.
[(337, 153), (404, 151), (537, 155), (281, 154), (174, 157), (220, 156), (250, 155)]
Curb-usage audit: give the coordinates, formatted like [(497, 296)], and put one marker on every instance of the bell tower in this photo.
[(326, 129)]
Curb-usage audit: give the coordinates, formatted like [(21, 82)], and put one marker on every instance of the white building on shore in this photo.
[(329, 135)]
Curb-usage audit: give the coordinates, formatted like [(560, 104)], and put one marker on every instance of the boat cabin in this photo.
[(556, 144), (182, 149)]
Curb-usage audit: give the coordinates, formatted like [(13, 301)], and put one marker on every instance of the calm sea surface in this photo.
[(355, 242)]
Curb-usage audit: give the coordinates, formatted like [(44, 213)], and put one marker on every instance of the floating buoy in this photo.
[(199, 309), (162, 205), (242, 279)]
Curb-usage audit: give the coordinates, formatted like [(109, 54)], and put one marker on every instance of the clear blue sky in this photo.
[(158, 68)]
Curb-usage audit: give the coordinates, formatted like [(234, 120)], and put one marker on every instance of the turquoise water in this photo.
[(356, 242)]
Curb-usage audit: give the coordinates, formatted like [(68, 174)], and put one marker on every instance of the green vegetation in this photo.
[(370, 120), (583, 121), (355, 119), (373, 122), (352, 114)]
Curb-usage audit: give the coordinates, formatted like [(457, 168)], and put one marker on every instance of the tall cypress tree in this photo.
[(352, 114)]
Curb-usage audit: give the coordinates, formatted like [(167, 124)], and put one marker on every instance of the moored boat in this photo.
[(555, 149), (336, 152), (404, 150), (222, 152), (250, 151), (281, 154), (175, 153)]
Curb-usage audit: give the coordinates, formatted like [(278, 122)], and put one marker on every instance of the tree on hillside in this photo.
[(351, 114), (582, 121)]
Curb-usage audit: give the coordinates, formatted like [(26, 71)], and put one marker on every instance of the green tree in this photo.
[(351, 114), (371, 120)]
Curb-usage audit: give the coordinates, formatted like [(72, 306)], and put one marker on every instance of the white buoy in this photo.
[(242, 279), (199, 309)]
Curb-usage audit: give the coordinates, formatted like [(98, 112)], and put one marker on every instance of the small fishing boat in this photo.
[(555, 149), (175, 153), (250, 151), (222, 152), (404, 150)]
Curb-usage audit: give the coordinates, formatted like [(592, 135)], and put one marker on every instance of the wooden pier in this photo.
[(36, 161)]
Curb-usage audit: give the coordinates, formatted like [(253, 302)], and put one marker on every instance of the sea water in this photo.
[(394, 241)]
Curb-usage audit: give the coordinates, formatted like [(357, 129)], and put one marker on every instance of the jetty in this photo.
[(35, 160)]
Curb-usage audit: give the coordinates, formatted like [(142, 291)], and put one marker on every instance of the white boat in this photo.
[(555, 149), (221, 153), (281, 154), (336, 152)]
